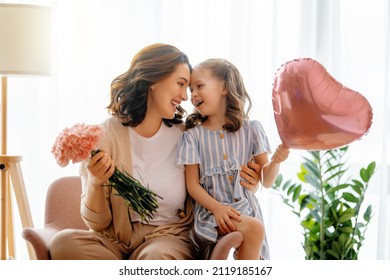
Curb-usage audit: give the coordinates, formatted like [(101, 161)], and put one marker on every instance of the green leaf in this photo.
[(304, 200), (315, 182), (310, 202), (297, 193), (346, 215), (334, 253), (301, 175), (338, 175), (312, 167), (316, 155), (346, 229), (336, 246), (327, 187), (357, 187), (309, 224), (371, 169), (343, 238), (366, 174), (350, 197), (363, 175), (286, 185), (332, 167), (358, 183), (334, 214), (344, 149), (339, 187), (291, 189), (278, 180), (367, 214)]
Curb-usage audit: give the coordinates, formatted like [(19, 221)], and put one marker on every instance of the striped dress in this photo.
[(220, 155)]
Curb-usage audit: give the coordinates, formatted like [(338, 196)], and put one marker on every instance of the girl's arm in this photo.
[(270, 170), (222, 213)]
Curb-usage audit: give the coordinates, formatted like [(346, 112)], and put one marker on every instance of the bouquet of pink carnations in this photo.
[(80, 142)]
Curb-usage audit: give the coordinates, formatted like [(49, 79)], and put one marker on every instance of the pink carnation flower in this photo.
[(76, 143)]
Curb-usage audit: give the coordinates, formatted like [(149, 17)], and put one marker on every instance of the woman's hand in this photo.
[(251, 176), (101, 167)]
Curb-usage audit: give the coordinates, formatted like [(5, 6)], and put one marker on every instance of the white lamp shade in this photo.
[(25, 39)]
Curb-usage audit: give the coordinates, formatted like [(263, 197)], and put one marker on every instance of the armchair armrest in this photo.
[(225, 244), (40, 240)]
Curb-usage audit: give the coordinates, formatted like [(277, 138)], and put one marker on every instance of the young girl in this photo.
[(221, 140)]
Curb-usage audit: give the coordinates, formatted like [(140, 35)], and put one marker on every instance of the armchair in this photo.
[(62, 210)]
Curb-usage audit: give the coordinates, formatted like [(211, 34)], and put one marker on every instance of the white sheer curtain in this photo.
[(94, 41)]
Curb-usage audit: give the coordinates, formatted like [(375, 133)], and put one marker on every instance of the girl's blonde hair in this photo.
[(236, 97)]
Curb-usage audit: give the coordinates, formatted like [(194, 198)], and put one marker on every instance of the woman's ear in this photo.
[(224, 89)]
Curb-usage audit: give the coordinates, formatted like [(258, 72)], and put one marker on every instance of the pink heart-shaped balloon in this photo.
[(313, 111)]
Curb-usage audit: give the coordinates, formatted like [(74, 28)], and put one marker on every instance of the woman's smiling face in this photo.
[(167, 94)]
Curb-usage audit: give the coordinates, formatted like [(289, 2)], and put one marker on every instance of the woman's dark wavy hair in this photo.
[(129, 91), (235, 99)]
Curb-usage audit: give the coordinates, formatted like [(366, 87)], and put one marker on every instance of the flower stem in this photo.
[(139, 198)]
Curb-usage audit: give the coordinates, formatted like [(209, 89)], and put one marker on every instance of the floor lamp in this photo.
[(24, 50)]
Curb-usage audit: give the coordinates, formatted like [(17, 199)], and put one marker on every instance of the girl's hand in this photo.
[(100, 168), (281, 154), (223, 215), (251, 176)]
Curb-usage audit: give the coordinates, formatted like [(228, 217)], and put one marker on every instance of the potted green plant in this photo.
[(328, 204)]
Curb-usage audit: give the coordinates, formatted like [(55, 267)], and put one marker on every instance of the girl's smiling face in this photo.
[(207, 92)]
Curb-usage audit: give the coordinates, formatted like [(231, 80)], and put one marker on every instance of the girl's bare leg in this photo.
[(254, 232)]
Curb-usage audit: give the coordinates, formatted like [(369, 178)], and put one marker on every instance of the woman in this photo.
[(141, 137)]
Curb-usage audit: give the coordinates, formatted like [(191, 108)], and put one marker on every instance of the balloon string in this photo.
[(262, 176)]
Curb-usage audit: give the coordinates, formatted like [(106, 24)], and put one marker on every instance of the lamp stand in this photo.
[(10, 169)]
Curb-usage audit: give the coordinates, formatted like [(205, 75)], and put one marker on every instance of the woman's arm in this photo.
[(94, 207), (222, 213), (100, 168), (250, 174)]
